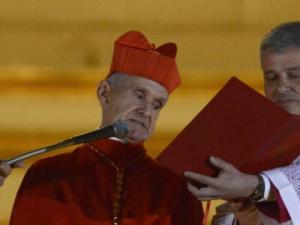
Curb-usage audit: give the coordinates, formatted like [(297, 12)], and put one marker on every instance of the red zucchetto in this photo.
[(134, 55)]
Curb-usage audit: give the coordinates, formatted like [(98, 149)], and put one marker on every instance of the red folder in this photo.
[(240, 126)]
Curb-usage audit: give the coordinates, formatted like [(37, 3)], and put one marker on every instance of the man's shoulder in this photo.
[(62, 164), (61, 167), (71, 158)]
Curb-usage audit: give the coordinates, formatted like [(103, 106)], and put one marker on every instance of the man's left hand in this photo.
[(229, 184)]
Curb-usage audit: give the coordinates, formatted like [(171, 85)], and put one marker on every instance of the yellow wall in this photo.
[(53, 53)]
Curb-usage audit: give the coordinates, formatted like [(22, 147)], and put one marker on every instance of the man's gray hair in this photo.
[(282, 37), (116, 80)]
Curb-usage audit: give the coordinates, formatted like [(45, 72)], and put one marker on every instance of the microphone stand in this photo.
[(38, 151), (118, 130)]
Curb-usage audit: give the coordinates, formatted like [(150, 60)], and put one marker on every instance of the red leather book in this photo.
[(240, 126)]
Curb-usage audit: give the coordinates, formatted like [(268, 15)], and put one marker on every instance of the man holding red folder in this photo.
[(275, 192)]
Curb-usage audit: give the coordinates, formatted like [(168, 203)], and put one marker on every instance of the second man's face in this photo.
[(282, 78), (137, 102)]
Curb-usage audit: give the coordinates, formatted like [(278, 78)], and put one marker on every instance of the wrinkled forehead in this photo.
[(288, 58), (285, 51), (126, 81)]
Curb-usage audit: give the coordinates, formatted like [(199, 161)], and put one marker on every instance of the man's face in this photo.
[(282, 78), (136, 101)]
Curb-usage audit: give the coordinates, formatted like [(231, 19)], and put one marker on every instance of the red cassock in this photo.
[(102, 183)]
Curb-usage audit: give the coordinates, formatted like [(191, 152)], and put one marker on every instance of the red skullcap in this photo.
[(134, 55)]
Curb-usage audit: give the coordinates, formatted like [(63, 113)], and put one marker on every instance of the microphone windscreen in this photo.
[(118, 130), (121, 130)]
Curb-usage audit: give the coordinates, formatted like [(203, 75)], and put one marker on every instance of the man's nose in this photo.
[(145, 109), (283, 85)]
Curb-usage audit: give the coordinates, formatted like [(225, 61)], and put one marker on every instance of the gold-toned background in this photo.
[(53, 53)]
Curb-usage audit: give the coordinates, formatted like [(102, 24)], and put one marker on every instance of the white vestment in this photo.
[(287, 182)]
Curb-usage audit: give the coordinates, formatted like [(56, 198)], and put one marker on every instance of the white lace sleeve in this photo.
[(287, 181), (292, 172)]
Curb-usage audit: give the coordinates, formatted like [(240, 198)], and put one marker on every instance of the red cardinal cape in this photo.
[(85, 188)]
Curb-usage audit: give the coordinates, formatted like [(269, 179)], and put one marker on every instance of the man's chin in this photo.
[(294, 111), (135, 140), (136, 137), (292, 108)]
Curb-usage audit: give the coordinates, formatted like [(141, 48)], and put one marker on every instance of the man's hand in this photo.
[(5, 170), (229, 184)]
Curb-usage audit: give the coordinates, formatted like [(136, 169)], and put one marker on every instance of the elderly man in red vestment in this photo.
[(113, 181), (276, 192)]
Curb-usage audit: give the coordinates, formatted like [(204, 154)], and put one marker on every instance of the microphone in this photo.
[(118, 130)]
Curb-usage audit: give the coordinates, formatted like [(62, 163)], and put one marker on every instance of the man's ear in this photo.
[(103, 91)]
